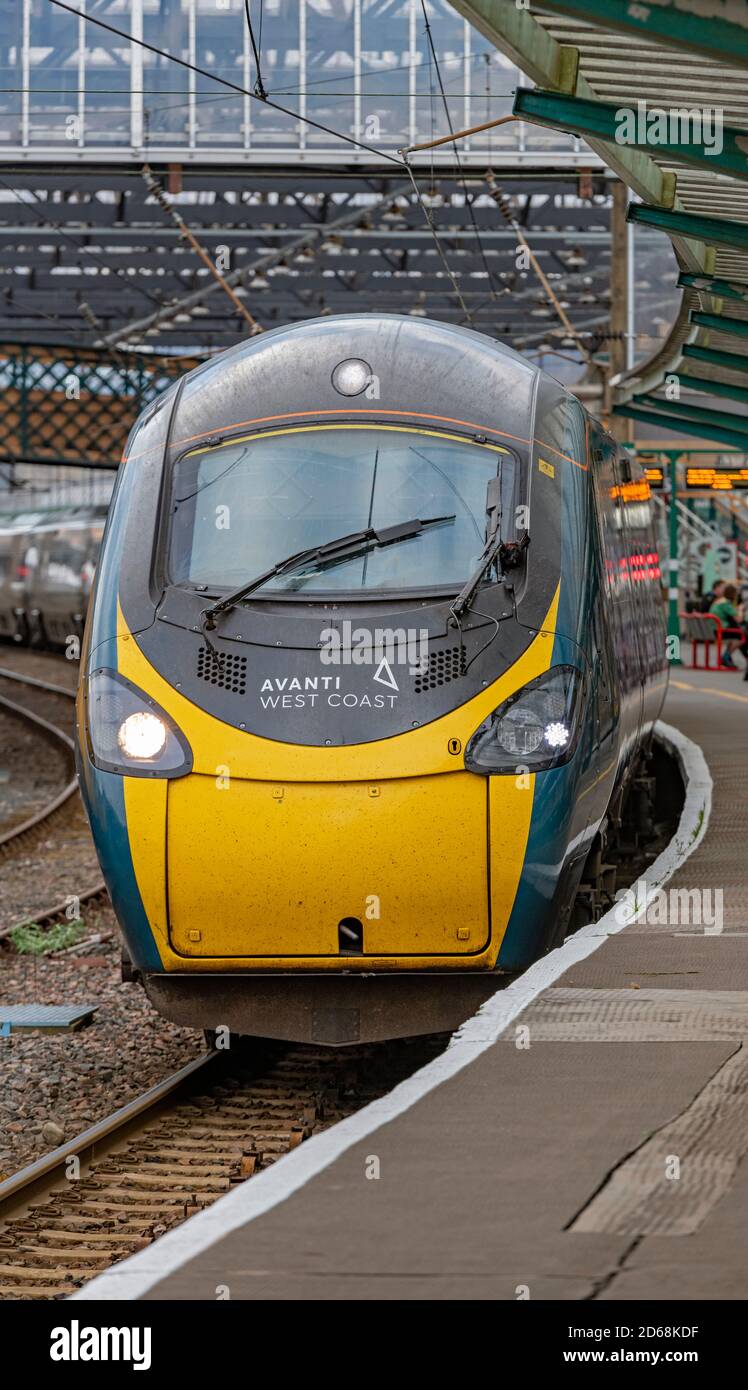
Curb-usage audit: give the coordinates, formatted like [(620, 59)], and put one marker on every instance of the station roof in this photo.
[(608, 71), (87, 255)]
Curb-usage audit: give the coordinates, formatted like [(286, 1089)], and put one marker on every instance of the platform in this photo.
[(601, 1161)]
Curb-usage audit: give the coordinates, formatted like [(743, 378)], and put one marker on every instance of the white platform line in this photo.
[(136, 1275)]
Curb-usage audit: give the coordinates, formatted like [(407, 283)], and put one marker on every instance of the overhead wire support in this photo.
[(503, 206), (502, 203), (154, 187), (440, 249), (261, 263), (260, 88)]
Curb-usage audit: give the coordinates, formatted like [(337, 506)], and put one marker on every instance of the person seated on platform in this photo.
[(725, 608), (712, 595)]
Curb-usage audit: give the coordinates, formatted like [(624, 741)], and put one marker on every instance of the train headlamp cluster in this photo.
[(535, 729), (129, 733)]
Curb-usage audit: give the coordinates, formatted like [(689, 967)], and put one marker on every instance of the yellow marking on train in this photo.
[(373, 424), (546, 468), (288, 873), (145, 810)]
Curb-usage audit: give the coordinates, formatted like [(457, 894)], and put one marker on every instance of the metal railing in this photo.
[(68, 405)]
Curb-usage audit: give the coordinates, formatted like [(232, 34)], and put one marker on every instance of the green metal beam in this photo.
[(724, 419), (715, 231), (714, 29), (712, 284), (715, 388), (625, 127), (721, 323), (682, 426), (730, 361), (554, 66)]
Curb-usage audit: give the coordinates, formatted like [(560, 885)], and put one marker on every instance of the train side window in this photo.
[(63, 560)]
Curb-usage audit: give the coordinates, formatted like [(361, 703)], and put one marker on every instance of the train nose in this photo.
[(395, 868)]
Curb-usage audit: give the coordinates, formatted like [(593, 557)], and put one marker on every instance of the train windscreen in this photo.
[(240, 508)]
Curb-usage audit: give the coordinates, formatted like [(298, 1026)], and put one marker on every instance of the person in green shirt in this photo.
[(725, 608)]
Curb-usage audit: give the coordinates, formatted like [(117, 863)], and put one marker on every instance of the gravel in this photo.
[(56, 1085), (32, 770)]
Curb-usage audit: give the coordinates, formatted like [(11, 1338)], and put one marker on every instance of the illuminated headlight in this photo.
[(536, 728), (129, 733), (142, 735)]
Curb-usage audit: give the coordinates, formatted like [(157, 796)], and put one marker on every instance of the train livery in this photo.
[(375, 647)]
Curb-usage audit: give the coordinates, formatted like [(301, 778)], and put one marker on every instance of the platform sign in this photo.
[(716, 479), (655, 477), (653, 470)]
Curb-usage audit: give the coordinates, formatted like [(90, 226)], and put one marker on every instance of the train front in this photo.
[(326, 675)]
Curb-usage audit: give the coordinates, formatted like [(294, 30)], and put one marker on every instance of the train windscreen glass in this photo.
[(237, 509)]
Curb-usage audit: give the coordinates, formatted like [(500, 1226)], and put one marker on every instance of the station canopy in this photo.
[(659, 91)]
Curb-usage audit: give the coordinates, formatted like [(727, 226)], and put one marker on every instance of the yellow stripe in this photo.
[(709, 690), (315, 429), (145, 810)]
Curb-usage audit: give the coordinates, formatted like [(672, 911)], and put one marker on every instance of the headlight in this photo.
[(142, 735), (536, 728), (129, 733)]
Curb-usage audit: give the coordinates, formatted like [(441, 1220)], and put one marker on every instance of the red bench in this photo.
[(705, 629)]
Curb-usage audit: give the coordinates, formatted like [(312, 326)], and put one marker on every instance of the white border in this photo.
[(136, 1275)]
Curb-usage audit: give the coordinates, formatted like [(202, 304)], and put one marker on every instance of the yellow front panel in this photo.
[(257, 869)]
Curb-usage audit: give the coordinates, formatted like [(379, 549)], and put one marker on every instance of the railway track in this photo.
[(176, 1149), (29, 833)]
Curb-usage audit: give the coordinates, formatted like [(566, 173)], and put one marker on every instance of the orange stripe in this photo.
[(404, 414), (568, 457)]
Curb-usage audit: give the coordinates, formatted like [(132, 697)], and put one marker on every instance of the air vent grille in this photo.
[(443, 667), (227, 672)]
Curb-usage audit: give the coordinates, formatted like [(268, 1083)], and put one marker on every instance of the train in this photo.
[(374, 654), (47, 565)]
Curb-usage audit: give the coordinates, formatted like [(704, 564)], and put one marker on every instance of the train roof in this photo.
[(423, 369)]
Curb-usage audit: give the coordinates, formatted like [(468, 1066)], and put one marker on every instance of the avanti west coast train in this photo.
[(376, 640)]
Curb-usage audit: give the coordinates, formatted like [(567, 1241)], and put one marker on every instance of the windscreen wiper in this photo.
[(322, 556), (508, 553)]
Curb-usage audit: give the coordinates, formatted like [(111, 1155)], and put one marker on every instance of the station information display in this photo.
[(716, 479), (655, 476), (653, 470)]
